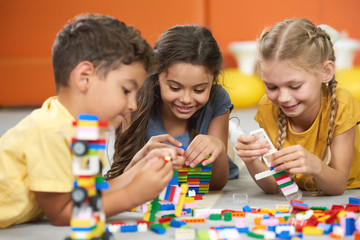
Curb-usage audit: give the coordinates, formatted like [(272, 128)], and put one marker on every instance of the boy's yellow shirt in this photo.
[(35, 156), (314, 139)]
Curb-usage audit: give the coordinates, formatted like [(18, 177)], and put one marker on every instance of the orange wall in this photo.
[(28, 29)]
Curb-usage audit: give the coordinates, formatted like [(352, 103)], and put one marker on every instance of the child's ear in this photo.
[(82, 73), (328, 71)]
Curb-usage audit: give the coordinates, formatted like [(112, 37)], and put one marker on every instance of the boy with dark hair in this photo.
[(99, 65)]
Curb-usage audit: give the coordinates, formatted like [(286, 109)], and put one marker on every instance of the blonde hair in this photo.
[(306, 46)]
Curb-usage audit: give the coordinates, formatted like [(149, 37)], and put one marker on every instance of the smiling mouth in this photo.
[(290, 108), (183, 109)]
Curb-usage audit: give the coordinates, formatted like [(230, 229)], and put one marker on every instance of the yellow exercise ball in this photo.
[(245, 90), (350, 80)]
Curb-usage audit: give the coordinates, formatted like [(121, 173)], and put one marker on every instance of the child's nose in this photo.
[(186, 98), (284, 96), (132, 105)]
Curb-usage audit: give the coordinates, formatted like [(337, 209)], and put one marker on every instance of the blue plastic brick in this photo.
[(177, 224), (158, 230), (353, 200), (327, 228), (243, 230), (128, 228), (350, 226), (247, 208), (88, 117)]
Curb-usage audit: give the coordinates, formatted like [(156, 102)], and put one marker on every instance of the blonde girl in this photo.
[(311, 121)]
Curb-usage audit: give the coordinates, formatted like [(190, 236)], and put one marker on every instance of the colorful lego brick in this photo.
[(155, 207), (247, 208), (129, 228), (227, 216), (158, 228), (327, 228), (215, 217), (184, 234), (312, 230), (264, 174), (177, 224), (354, 200), (193, 220), (179, 207)]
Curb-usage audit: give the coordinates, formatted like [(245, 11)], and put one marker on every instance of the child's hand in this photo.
[(150, 181), (296, 159), (158, 142), (248, 149), (201, 147), (177, 161)]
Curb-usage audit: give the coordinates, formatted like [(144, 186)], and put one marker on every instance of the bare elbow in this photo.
[(218, 185), (335, 192)]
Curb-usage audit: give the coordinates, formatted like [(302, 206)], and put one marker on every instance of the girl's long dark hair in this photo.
[(180, 44)]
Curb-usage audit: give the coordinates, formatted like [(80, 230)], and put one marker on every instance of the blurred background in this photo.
[(28, 29)]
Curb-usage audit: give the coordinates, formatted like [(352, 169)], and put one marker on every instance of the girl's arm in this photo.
[(219, 127), (215, 144), (331, 179), (250, 151)]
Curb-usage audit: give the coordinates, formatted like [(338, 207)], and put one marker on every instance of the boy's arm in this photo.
[(146, 185), (56, 206), (142, 184)]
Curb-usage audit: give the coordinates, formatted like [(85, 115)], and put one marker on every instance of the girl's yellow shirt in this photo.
[(314, 139)]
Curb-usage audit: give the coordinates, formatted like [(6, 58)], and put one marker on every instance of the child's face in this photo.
[(184, 89), (114, 98), (296, 91)]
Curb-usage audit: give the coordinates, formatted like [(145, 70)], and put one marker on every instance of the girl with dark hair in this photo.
[(181, 104)]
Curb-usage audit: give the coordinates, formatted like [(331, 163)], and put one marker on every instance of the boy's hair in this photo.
[(102, 40), (306, 46), (192, 44)]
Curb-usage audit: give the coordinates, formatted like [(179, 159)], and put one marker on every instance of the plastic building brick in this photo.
[(165, 219), (352, 207), (185, 234), (193, 220), (155, 207), (327, 228), (354, 200), (247, 208), (215, 216), (177, 224), (179, 207), (264, 174), (312, 230), (142, 227), (264, 137), (157, 228), (227, 216), (88, 220), (255, 235), (129, 228), (197, 178), (283, 179)]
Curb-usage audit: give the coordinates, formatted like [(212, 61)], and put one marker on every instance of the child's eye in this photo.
[(126, 91), (270, 88), (199, 90), (174, 88), (295, 87)]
